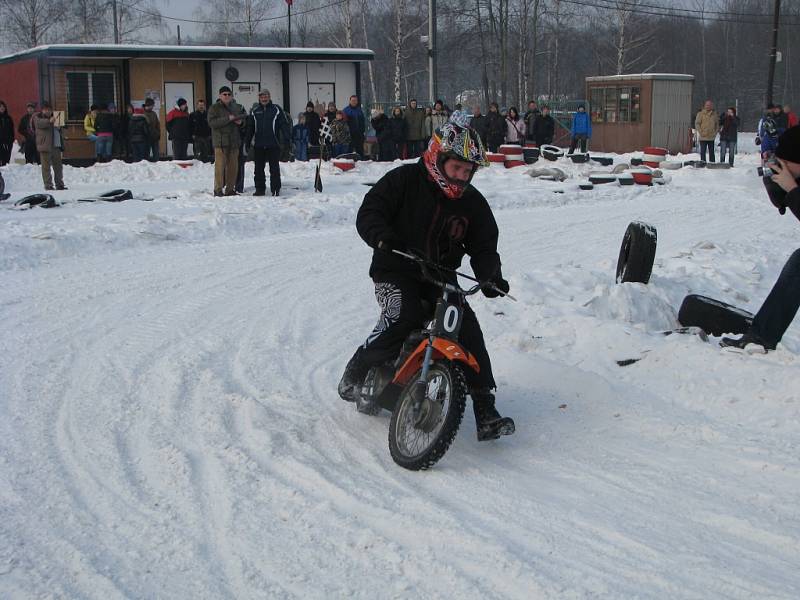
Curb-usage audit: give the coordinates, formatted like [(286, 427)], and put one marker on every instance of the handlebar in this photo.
[(425, 264)]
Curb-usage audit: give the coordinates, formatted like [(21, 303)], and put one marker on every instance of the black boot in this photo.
[(260, 192), (745, 340), (488, 422), (353, 377)]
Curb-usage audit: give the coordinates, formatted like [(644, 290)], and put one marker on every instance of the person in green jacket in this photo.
[(225, 117), (415, 129)]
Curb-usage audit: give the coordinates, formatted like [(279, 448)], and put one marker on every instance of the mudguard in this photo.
[(442, 348)]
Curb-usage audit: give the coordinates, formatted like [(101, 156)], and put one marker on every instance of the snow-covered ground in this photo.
[(170, 428)]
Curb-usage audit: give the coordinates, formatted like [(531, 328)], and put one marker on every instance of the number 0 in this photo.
[(450, 319)]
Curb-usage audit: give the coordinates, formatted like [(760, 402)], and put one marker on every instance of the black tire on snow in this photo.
[(116, 195), (712, 316), (45, 200), (637, 254), (452, 420)]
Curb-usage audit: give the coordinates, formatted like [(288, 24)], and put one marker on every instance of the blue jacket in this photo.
[(300, 134), (355, 120), (268, 126), (582, 124)]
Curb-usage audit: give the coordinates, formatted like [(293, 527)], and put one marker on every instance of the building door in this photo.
[(245, 94), (172, 91), (321, 94)]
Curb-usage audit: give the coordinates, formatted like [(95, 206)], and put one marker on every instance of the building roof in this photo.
[(640, 76), (127, 51)]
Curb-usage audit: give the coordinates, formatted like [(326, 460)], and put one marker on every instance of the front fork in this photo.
[(420, 389)]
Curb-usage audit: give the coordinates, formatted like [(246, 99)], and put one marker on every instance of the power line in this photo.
[(219, 22), (669, 12)]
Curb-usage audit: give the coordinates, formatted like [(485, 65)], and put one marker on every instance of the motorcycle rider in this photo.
[(429, 208)]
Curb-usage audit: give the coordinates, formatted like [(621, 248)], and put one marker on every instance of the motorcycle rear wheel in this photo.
[(418, 446)]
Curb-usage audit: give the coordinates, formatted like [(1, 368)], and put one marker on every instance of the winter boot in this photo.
[(744, 341), (353, 377), (488, 422), (260, 192)]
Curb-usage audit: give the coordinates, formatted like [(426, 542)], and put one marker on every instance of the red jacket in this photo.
[(179, 126), (793, 120)]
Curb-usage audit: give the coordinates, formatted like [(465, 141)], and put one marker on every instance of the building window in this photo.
[(85, 89), (615, 104)]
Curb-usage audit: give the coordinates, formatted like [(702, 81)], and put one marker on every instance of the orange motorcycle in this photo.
[(425, 388)]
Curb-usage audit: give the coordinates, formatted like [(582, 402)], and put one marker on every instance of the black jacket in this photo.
[(104, 122), (398, 129), (406, 208), (380, 125), (24, 127), (481, 125), (138, 129), (267, 127), (729, 127), (495, 129), (530, 119), (6, 129), (544, 128), (313, 122), (199, 122)]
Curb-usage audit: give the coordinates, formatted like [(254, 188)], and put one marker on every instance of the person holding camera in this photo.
[(782, 180)]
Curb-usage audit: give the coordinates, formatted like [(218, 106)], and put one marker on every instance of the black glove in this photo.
[(758, 141), (499, 283)]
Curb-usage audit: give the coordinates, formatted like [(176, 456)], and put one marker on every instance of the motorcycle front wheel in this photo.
[(417, 440)]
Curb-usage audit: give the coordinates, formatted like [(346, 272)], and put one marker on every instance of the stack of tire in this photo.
[(654, 156), (512, 155), (496, 158)]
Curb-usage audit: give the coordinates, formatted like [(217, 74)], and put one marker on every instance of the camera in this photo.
[(767, 170)]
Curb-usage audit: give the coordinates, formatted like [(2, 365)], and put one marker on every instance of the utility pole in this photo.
[(432, 92), (289, 12), (116, 21), (773, 56), (179, 35)]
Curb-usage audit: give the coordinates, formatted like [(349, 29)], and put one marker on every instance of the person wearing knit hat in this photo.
[(179, 129), (780, 307), (313, 123)]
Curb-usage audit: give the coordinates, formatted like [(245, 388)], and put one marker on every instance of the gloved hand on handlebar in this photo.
[(499, 283)]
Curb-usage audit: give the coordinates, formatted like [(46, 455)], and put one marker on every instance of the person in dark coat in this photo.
[(28, 136), (781, 305), (6, 134), (104, 133), (398, 132), (201, 132), (138, 135), (430, 208), (380, 123), (357, 123), (300, 138), (495, 128), (544, 127), (267, 129), (154, 128), (179, 129), (530, 118), (313, 122), (479, 124), (728, 134)]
